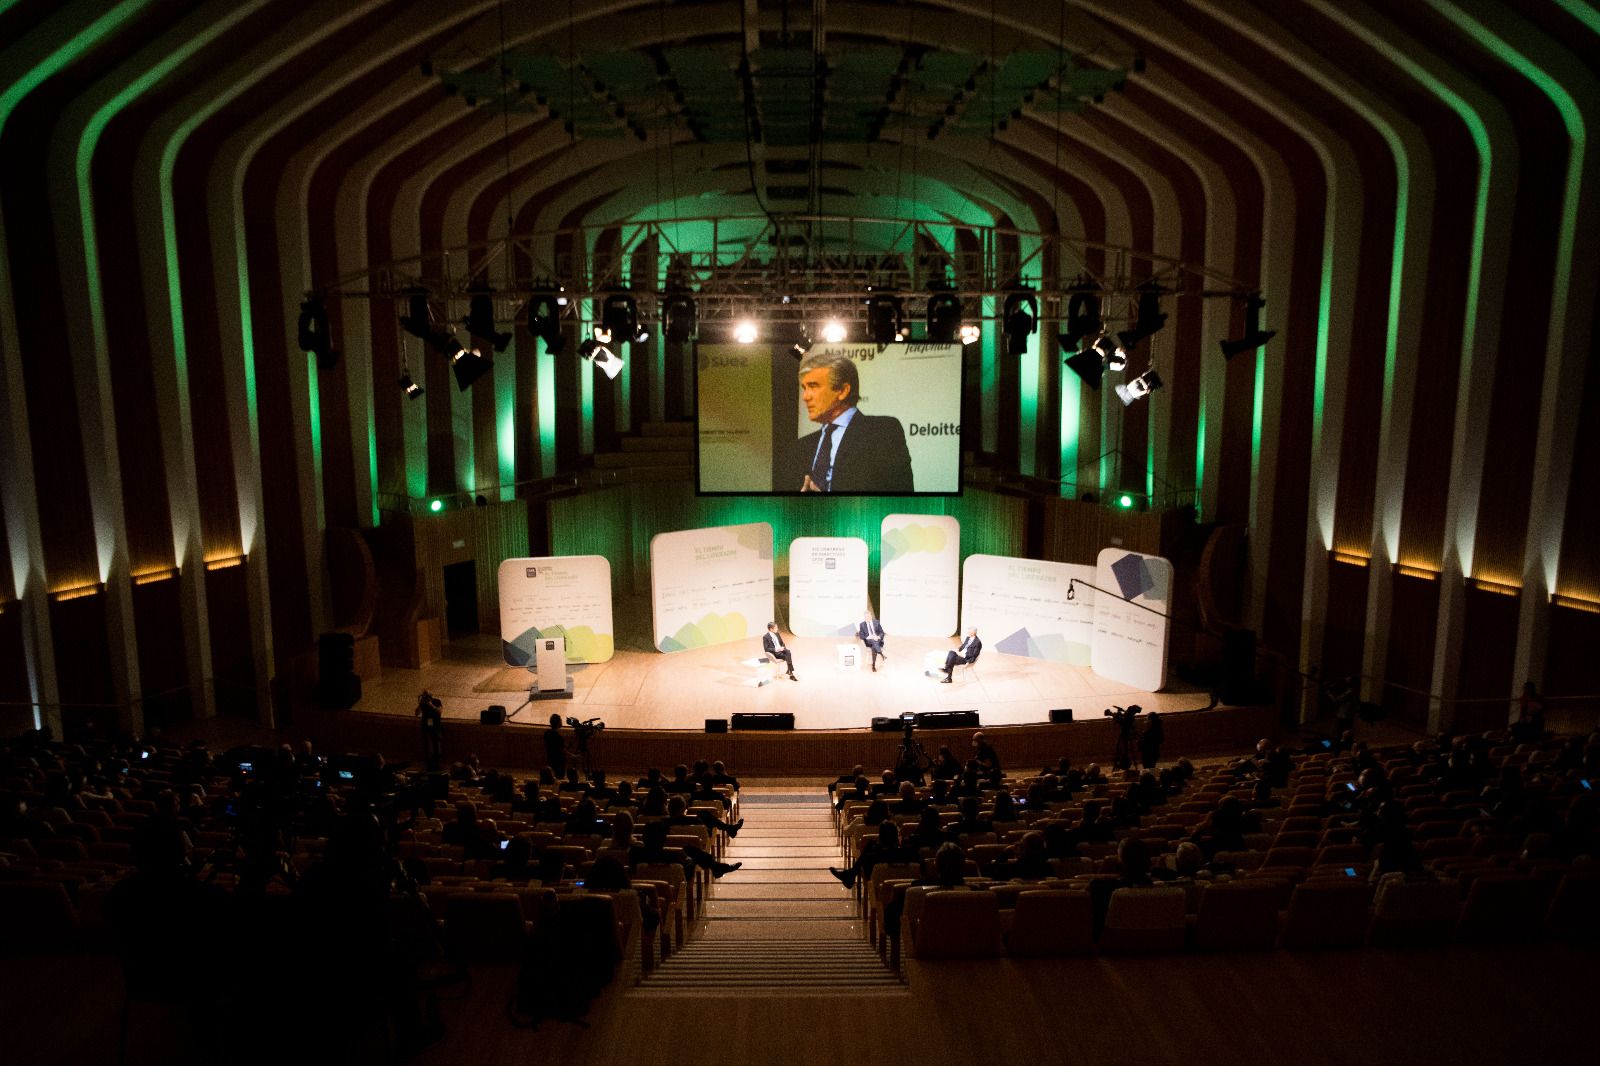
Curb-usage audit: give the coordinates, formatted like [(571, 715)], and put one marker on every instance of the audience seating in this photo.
[(1144, 921), (957, 924), (1051, 922), (1237, 916)]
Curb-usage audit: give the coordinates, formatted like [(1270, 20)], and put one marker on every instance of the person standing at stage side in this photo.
[(1151, 739), (773, 644), (967, 653), (555, 747), (984, 755), (871, 633), (431, 711)]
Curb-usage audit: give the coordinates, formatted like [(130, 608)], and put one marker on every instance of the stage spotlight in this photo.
[(833, 331), (467, 364), (1254, 336), (1139, 387), (1083, 314), (1150, 317), (417, 321), (435, 506), (604, 359), (1125, 501), (620, 316), (413, 390), (544, 320), (970, 333), (1021, 319), (745, 331), (944, 317), (883, 319), (1088, 365), (601, 333), (480, 318), (682, 318), (1116, 356), (314, 333)]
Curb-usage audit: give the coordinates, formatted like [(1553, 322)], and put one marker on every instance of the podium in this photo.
[(550, 665)]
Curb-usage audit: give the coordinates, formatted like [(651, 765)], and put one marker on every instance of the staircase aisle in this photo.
[(781, 925)]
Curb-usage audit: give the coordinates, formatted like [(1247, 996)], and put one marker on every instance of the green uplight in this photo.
[(435, 506), (1125, 500)]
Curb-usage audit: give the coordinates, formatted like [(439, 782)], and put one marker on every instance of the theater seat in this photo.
[(1414, 913), (1051, 922), (1501, 908), (1574, 913), (1237, 916), (1144, 920), (1328, 914), (958, 924), (36, 915), (486, 925)]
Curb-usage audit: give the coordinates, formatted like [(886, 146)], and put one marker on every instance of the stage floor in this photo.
[(641, 688)]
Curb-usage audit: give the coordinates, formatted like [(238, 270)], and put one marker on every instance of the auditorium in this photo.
[(1047, 531)]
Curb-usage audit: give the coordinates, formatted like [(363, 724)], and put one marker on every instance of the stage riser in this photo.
[(801, 752)]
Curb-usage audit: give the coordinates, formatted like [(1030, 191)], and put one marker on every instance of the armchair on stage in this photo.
[(933, 662)]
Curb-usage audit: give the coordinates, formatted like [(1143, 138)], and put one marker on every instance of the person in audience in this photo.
[(1133, 871), (1224, 828), (624, 798), (877, 813), (621, 831), (599, 791), (1005, 809), (946, 767), (720, 778), (678, 813), (572, 783), (887, 848), (655, 803), (480, 841), (1261, 796), (907, 803), (888, 785), (680, 783), (968, 786), (1529, 726), (1093, 776), (972, 820), (949, 872), (653, 848), (514, 860), (939, 793), (861, 791), (585, 819), (1398, 854), (929, 832), (988, 760), (1031, 861)]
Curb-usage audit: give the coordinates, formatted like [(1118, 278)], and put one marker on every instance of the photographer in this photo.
[(911, 761), (431, 711), (555, 748)]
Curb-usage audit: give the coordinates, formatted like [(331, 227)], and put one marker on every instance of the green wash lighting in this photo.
[(1123, 501), (435, 506)]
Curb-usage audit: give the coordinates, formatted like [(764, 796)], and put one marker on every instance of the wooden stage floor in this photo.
[(641, 688)]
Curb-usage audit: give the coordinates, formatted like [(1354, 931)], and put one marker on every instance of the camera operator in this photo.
[(555, 748), (1122, 756), (911, 762)]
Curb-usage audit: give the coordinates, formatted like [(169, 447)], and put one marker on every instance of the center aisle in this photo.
[(779, 925)]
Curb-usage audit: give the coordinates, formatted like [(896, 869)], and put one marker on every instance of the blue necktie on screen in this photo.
[(822, 465)]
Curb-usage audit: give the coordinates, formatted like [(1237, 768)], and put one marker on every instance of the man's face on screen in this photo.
[(823, 401)]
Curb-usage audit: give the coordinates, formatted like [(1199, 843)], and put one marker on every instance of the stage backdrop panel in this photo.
[(562, 596), (919, 568), (1020, 607), (1130, 643), (734, 417), (827, 585), (711, 586)]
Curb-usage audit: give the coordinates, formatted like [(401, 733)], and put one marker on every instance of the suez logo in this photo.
[(533, 571), (709, 362)]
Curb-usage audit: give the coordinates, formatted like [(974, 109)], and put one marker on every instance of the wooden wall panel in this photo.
[(1346, 619), (1488, 646), (1414, 617), (163, 666), (232, 662)]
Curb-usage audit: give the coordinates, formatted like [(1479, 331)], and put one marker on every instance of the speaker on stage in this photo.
[(947, 720), (492, 715), (887, 725), (716, 725), (1060, 715), (763, 721)]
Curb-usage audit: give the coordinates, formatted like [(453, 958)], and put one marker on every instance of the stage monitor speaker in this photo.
[(495, 715), (763, 721), (887, 725), (947, 720), (1058, 715), (716, 725)]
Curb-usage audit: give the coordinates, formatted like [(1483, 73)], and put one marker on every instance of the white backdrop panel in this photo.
[(827, 585), (919, 574), (1130, 643), (1020, 607), (710, 586), (561, 596)]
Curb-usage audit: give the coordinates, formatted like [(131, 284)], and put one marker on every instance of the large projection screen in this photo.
[(761, 415)]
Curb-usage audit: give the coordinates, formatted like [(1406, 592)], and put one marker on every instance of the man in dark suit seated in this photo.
[(871, 633), (853, 451), (967, 653), (773, 645)]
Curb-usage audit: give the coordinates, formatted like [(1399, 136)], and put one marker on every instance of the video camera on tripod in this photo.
[(1124, 716), (584, 730)]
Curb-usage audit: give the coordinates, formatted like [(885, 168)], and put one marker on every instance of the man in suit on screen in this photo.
[(773, 645), (853, 451)]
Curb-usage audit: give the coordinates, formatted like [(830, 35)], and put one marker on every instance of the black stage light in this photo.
[(682, 317), (544, 320), (418, 321), (1254, 336), (413, 390), (604, 359), (1150, 317), (1083, 314), (884, 320), (1088, 365), (944, 317), (480, 318), (1020, 320), (467, 364), (619, 317), (314, 333)]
